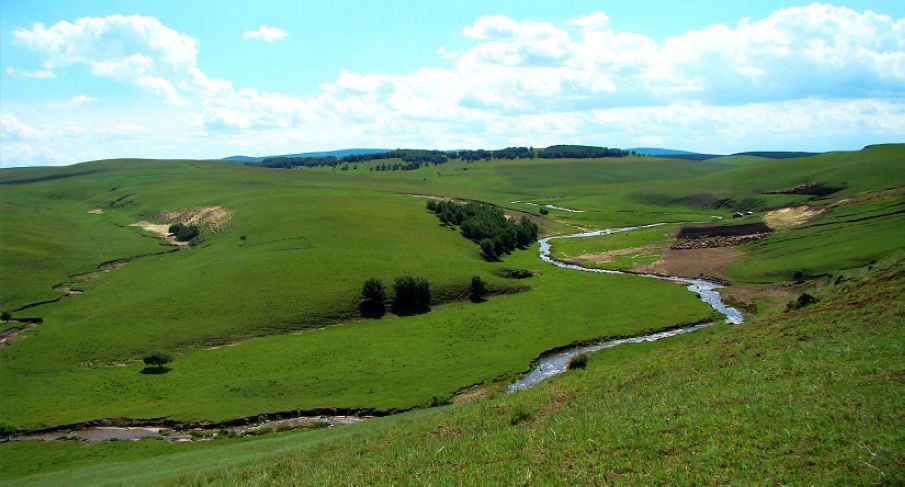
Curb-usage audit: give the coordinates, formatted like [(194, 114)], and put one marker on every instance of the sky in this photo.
[(84, 80)]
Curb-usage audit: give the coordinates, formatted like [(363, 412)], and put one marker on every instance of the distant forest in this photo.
[(415, 158)]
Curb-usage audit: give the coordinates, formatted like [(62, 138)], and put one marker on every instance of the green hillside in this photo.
[(263, 315)]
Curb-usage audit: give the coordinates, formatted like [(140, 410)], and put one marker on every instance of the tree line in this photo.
[(487, 226), (415, 158)]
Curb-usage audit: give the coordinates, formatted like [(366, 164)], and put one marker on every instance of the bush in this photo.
[(804, 299), (579, 361), (520, 414), (478, 288), (412, 293), (544, 211), (374, 291), (184, 233), (157, 358), (441, 401), (6, 316)]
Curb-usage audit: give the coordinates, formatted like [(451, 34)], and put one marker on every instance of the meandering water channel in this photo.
[(557, 363), (547, 366)]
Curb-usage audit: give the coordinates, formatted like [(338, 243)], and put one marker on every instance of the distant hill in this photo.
[(777, 154), (673, 153), (335, 153)]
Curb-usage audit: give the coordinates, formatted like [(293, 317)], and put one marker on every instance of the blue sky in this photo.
[(210, 79)]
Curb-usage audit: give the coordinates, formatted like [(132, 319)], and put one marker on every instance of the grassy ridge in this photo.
[(809, 397), (398, 362)]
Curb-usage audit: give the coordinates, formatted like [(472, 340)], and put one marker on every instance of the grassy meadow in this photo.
[(263, 316)]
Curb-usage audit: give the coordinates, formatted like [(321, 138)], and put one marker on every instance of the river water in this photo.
[(558, 362)]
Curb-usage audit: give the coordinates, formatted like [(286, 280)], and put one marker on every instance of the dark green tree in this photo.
[(412, 294), (478, 288), (374, 291), (6, 316), (158, 359)]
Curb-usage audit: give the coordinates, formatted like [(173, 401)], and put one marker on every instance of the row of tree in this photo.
[(415, 158), (412, 295), (486, 225)]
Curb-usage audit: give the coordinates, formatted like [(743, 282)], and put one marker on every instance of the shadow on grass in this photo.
[(370, 309), (155, 370), (410, 310)]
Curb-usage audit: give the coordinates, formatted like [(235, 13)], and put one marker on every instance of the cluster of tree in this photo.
[(579, 152), (412, 294), (487, 225), (398, 166), (415, 158), (411, 158), (184, 233)]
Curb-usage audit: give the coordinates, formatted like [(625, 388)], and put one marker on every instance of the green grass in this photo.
[(810, 397), (286, 299), (572, 248), (395, 362), (848, 236)]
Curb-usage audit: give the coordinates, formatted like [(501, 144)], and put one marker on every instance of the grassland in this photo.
[(270, 323), (619, 251), (312, 237), (808, 397)]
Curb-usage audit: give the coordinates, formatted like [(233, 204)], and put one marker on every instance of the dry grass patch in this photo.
[(792, 217)]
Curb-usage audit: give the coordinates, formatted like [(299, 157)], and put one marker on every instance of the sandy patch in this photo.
[(430, 197), (96, 211), (161, 229), (609, 255), (792, 217), (211, 218), (695, 263)]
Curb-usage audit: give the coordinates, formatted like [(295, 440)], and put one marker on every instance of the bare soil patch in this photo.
[(723, 230), (161, 229), (212, 218), (96, 211), (812, 189), (695, 263), (792, 217), (609, 255), (714, 242)]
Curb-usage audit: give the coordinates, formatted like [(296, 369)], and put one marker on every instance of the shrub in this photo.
[(184, 233), (441, 401), (6, 316), (544, 211), (520, 414), (374, 291), (412, 293), (489, 249), (478, 288), (804, 299), (579, 361), (157, 358)]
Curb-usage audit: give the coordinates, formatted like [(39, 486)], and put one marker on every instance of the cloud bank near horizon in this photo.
[(803, 77)]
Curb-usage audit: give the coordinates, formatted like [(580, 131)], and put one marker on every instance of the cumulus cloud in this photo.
[(532, 82), (38, 73), (11, 128), (74, 101), (266, 34)]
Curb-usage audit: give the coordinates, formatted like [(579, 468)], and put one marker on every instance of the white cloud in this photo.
[(38, 73), (74, 101), (798, 75), (11, 128), (266, 34)]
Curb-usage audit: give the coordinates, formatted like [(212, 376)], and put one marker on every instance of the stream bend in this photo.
[(557, 363)]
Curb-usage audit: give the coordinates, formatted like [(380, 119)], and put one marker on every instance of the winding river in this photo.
[(547, 366), (558, 362)]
